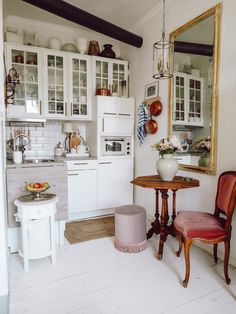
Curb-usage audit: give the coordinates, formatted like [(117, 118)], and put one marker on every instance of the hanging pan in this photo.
[(155, 108), (151, 126)]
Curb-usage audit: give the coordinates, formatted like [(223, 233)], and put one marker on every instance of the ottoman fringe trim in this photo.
[(130, 248)]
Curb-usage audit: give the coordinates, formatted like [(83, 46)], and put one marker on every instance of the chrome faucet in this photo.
[(21, 144)]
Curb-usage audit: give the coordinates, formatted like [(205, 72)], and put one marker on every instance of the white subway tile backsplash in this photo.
[(30, 153), (36, 146), (44, 139)]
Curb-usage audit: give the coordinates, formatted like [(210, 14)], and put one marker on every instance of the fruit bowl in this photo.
[(36, 187)]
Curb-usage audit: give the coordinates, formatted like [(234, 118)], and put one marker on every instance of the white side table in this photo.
[(37, 243)]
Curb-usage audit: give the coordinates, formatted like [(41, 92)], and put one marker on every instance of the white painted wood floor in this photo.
[(94, 278)]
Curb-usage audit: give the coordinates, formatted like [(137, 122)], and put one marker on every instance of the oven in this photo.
[(116, 146)]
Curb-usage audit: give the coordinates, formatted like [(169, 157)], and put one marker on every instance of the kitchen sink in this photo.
[(38, 160)]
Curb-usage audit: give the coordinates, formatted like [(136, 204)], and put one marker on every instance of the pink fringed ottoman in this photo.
[(130, 228)]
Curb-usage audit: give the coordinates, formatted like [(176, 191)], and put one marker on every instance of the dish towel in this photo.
[(142, 119)]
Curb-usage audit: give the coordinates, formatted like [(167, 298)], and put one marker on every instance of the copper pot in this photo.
[(19, 59), (103, 92), (151, 126), (155, 108)]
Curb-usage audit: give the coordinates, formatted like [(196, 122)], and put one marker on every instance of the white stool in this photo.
[(29, 213), (130, 228)]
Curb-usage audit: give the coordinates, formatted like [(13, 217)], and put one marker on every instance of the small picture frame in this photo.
[(151, 90)]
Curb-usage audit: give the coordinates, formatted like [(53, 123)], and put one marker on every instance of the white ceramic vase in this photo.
[(167, 167), (82, 45)]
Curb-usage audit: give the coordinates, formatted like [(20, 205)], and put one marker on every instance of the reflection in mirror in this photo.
[(193, 91)]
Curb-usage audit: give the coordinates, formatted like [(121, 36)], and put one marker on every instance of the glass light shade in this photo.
[(67, 127), (162, 50)]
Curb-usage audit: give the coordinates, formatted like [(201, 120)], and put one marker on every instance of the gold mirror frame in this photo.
[(216, 12)]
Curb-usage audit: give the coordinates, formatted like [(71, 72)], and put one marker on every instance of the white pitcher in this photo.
[(82, 149)]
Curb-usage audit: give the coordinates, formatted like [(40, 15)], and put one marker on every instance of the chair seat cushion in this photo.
[(201, 225)]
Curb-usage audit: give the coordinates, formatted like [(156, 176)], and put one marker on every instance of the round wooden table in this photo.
[(160, 224)]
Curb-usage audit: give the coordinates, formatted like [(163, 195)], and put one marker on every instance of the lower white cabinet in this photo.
[(114, 187), (82, 187)]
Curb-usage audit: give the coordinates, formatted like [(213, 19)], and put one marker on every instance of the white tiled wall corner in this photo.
[(44, 138)]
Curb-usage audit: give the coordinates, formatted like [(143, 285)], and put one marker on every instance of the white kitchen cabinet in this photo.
[(114, 187), (55, 80), (82, 186), (111, 74), (67, 85), (26, 61), (188, 100), (53, 84), (79, 67), (115, 115)]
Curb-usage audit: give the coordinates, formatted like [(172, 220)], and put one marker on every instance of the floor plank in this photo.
[(94, 278)]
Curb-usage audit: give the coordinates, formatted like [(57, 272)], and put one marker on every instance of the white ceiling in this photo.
[(123, 13)]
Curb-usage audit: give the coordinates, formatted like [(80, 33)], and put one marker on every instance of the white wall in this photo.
[(178, 13), (3, 242)]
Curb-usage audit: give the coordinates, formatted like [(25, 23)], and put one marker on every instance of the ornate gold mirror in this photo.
[(193, 91)]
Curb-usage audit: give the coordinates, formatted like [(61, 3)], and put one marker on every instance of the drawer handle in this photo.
[(124, 114), (73, 174), (110, 113), (80, 163), (105, 163), (35, 167)]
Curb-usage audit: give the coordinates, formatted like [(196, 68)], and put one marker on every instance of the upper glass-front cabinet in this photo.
[(27, 100), (55, 90), (111, 74), (188, 100), (79, 89)]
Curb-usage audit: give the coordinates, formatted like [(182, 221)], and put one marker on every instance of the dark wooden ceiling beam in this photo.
[(193, 48), (81, 17)]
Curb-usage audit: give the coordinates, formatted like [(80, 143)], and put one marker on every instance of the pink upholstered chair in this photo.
[(194, 226)]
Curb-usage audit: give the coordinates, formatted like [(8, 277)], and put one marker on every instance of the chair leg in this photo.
[(187, 244), (226, 261), (215, 252), (180, 245)]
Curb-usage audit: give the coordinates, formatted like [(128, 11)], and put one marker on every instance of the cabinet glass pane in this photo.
[(105, 69), (51, 76), (198, 96), (52, 107), (83, 110), (20, 91), (83, 79), (60, 108), (75, 109), (31, 74), (31, 90), (98, 69), (75, 95), (59, 62), (75, 79), (75, 65), (83, 65), (17, 56), (51, 61), (104, 83), (31, 58), (198, 85), (59, 77)]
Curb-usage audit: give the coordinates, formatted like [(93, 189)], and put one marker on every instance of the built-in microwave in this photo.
[(116, 146)]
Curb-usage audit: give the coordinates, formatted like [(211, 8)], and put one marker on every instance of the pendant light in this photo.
[(162, 50)]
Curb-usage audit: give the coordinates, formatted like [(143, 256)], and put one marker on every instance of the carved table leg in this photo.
[(164, 221), (171, 229), (155, 224)]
